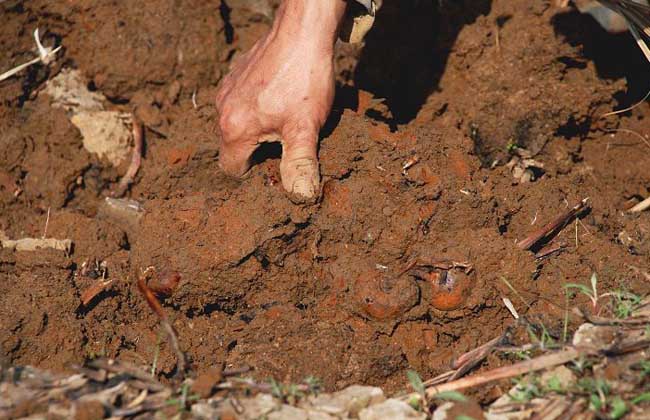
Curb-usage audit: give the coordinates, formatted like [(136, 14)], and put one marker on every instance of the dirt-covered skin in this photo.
[(320, 290)]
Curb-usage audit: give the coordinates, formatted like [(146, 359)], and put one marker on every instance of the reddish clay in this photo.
[(249, 258), (164, 283), (450, 289), (383, 298)]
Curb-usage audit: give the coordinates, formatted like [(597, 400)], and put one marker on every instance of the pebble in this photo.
[(349, 401), (390, 409)]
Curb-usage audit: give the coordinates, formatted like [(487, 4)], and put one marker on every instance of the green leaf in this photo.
[(594, 284), (645, 397), (451, 396), (416, 381), (464, 417), (414, 402), (581, 287), (554, 384), (595, 402), (619, 408), (276, 389)]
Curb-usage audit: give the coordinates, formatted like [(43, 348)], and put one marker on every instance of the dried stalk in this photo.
[(548, 251), (505, 372), (549, 230), (33, 244), (158, 310), (45, 56), (644, 205), (90, 293), (136, 161)]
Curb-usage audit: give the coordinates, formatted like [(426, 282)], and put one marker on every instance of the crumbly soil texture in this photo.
[(458, 129)]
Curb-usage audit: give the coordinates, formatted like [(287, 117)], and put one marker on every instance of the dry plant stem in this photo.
[(88, 294), (467, 361), (21, 67), (33, 244), (136, 161), (129, 369), (634, 133), (505, 372), (548, 230), (471, 359), (629, 108), (644, 205), (158, 310), (546, 252)]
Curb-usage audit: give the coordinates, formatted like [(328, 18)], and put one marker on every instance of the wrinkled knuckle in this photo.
[(229, 124), (303, 129)]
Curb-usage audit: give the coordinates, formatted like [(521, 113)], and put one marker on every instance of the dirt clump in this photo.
[(318, 290)]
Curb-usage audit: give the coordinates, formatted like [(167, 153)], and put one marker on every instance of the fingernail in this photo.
[(305, 186)]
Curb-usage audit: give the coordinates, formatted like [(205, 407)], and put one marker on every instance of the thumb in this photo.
[(299, 166)]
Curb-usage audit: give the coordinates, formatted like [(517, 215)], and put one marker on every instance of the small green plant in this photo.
[(450, 396), (625, 303), (156, 354), (618, 408), (292, 393), (313, 383), (276, 389), (522, 354), (417, 384), (597, 391), (565, 325), (591, 293), (545, 340), (581, 364), (181, 403), (555, 385), (526, 390), (511, 146), (642, 366), (641, 398)]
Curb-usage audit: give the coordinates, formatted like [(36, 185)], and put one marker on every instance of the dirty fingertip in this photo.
[(301, 180)]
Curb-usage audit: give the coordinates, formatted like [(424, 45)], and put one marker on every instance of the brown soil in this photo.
[(317, 290)]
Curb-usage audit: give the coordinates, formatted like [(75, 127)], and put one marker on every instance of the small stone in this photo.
[(453, 410), (288, 412), (319, 415), (349, 401), (121, 210), (260, 406), (69, 91), (591, 337), (390, 409), (104, 134), (209, 410)]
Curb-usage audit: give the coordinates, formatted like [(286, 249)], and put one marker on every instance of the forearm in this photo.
[(313, 20)]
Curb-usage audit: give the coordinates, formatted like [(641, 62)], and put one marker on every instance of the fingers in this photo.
[(299, 165), (236, 143)]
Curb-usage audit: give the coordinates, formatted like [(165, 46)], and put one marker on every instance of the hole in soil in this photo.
[(228, 308), (229, 31), (406, 52), (267, 151), (614, 55), (575, 128)]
